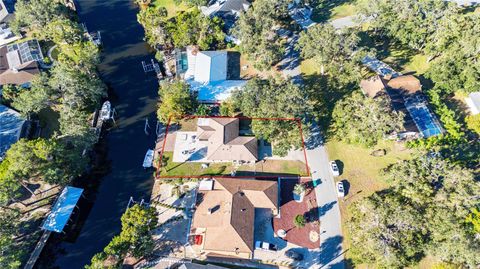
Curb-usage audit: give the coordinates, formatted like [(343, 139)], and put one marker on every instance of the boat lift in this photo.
[(132, 202), (95, 37), (152, 67)]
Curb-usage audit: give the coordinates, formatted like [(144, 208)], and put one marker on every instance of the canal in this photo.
[(133, 94)]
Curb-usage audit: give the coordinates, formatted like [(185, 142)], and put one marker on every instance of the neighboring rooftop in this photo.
[(473, 102), (11, 126), (225, 215), (226, 8), (380, 67), (407, 84), (18, 62), (206, 66), (224, 142), (373, 86)]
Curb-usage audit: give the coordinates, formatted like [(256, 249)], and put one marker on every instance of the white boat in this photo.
[(106, 111), (148, 160)]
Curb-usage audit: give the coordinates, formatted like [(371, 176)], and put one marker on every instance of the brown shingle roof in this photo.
[(230, 226), (24, 73), (224, 142), (407, 84), (373, 86)]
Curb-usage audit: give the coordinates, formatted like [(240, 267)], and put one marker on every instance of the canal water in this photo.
[(121, 176)]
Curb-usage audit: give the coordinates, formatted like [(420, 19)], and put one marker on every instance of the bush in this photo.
[(299, 221)]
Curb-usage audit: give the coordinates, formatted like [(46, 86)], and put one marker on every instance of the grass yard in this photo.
[(267, 168), (193, 168), (274, 167), (362, 171), (342, 11), (171, 7)]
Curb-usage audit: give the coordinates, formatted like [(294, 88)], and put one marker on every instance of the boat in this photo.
[(106, 111), (148, 160)]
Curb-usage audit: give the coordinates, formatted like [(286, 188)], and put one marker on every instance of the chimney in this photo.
[(15, 70)]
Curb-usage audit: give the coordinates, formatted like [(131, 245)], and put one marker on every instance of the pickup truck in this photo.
[(265, 246)]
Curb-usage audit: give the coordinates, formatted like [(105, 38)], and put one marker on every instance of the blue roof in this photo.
[(62, 209), (10, 128), (426, 122)]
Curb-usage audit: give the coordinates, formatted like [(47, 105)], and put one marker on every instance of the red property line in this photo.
[(159, 166)]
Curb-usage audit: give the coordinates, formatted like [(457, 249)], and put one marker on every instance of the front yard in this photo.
[(262, 168), (362, 172)]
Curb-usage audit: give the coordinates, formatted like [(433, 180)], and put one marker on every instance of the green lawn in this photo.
[(362, 171), (407, 61), (192, 168), (343, 10), (267, 168), (170, 5)]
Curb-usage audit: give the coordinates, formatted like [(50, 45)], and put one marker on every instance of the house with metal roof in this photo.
[(223, 223), (223, 8), (207, 72), (11, 128)]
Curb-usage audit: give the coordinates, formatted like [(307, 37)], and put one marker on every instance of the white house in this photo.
[(207, 75)]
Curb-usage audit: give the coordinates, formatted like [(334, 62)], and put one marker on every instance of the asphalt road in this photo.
[(331, 238)]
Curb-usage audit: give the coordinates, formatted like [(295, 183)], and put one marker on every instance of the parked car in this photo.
[(340, 189), (334, 169), (265, 246), (294, 255)]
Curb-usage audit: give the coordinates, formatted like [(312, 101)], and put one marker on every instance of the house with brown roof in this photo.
[(223, 222), (19, 63), (223, 141), (407, 84), (373, 87)]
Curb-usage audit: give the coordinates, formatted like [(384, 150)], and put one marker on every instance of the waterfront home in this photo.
[(223, 222), (19, 63)]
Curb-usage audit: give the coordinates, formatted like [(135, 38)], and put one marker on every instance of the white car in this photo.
[(334, 169), (340, 189)]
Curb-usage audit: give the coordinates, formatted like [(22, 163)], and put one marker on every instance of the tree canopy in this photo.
[(135, 237), (186, 28), (176, 101), (256, 29), (273, 98), (361, 120), (423, 213), (331, 51), (35, 15)]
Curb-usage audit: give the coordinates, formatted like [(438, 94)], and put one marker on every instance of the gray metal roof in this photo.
[(11, 124)]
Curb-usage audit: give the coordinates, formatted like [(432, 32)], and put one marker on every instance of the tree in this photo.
[(255, 29), (412, 23), (176, 101), (9, 250), (299, 221), (331, 51), (186, 28), (365, 121), (473, 123), (9, 93), (64, 31), (34, 15), (36, 98), (423, 212), (135, 237), (273, 98)]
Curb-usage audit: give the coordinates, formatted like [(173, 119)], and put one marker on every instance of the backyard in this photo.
[(171, 6), (262, 168)]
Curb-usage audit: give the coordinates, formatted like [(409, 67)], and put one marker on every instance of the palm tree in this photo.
[(299, 221)]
